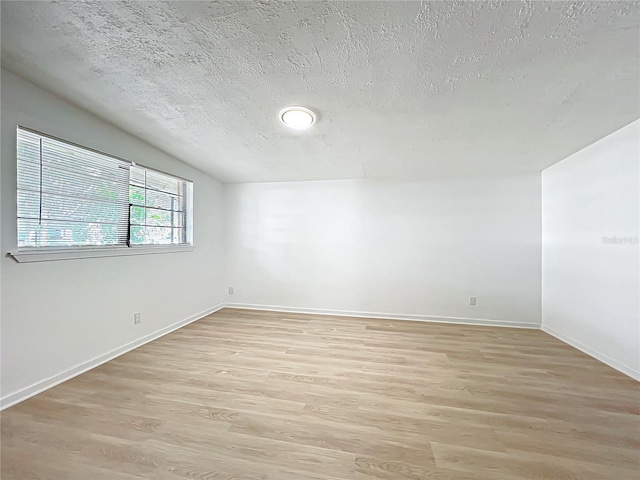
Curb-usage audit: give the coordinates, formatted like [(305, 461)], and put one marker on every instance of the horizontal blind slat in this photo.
[(69, 221), (64, 233), (78, 197)]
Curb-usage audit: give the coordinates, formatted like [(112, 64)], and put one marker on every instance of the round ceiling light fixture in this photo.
[(298, 118)]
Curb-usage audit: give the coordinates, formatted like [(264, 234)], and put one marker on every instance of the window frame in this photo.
[(187, 213), (26, 254)]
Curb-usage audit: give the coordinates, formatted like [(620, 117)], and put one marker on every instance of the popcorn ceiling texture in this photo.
[(414, 90)]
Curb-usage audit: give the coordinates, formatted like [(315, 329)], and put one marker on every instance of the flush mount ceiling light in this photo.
[(297, 117)]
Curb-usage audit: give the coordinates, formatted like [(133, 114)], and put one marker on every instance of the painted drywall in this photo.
[(591, 255), (403, 90), (59, 315), (400, 249)]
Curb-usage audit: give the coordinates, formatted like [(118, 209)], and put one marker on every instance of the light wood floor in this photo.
[(243, 395)]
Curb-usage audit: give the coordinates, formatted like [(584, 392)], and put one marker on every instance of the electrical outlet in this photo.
[(230, 290), (136, 318), (472, 300)]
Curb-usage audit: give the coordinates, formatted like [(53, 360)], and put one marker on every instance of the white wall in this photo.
[(58, 315), (591, 288), (411, 249)]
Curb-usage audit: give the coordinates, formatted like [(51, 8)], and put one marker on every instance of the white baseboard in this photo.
[(38, 387), (631, 372), (390, 316)]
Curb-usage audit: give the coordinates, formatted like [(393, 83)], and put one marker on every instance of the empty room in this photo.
[(320, 240)]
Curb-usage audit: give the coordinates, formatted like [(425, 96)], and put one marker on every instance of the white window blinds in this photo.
[(70, 196)]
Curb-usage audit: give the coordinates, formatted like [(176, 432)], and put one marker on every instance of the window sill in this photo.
[(74, 253)]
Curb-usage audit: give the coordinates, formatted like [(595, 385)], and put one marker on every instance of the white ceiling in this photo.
[(416, 90)]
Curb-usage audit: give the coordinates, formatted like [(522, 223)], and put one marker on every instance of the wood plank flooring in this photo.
[(253, 395)]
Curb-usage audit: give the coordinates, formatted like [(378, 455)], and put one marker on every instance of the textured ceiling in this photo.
[(415, 90)]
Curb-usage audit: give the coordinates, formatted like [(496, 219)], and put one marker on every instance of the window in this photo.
[(159, 208), (70, 196)]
